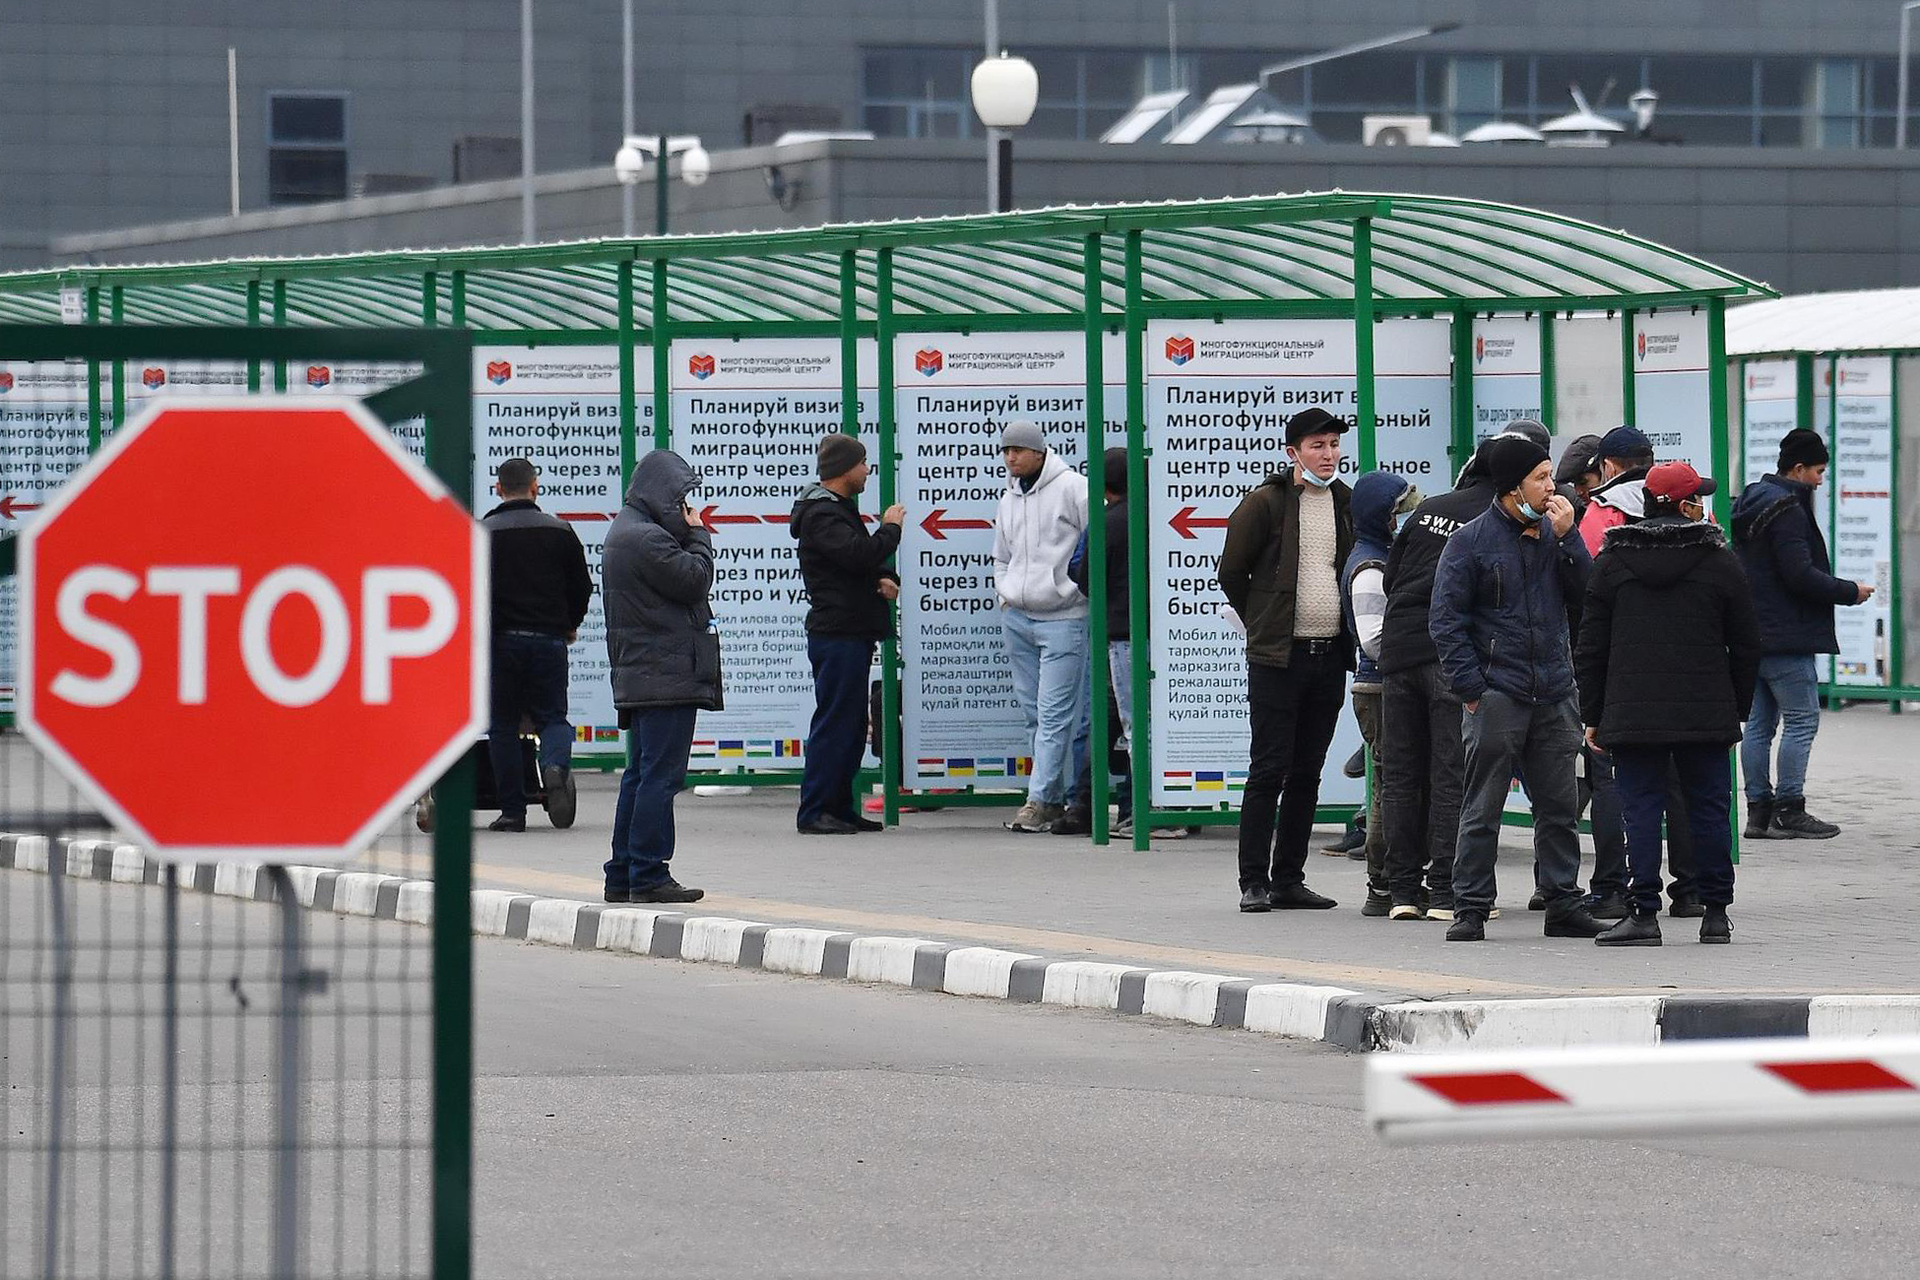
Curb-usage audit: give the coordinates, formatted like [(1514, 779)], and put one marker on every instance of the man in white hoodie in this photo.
[(1043, 616)]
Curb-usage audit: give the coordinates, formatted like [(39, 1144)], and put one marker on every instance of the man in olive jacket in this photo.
[(656, 573), (1669, 653), (1280, 570)]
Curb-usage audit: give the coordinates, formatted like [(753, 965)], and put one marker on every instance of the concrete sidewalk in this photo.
[(1811, 917)]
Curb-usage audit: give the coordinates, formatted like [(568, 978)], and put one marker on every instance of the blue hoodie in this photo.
[(1375, 495)]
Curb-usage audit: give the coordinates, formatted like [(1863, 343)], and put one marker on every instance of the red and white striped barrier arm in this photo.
[(1704, 1087)]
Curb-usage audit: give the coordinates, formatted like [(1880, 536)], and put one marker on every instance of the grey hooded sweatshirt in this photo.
[(655, 575)]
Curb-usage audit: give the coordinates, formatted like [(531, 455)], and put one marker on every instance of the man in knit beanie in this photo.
[(1499, 622)]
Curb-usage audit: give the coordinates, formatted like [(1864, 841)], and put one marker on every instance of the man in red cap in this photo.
[(1667, 659)]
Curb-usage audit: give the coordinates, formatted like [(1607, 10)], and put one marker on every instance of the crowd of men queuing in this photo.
[(1584, 633)]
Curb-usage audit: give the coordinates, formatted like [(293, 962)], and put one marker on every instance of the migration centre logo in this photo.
[(319, 375), (6, 383), (929, 362), (498, 371), (153, 377), (1179, 349), (700, 366)]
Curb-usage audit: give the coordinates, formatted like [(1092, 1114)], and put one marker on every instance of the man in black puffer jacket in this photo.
[(849, 586), (655, 574), (1668, 655)]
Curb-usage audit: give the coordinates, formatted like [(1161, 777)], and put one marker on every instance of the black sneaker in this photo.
[(1791, 821), (1376, 905), (1252, 900), (562, 801), (1686, 907), (1468, 926), (1577, 923), (616, 895), (1299, 898), (505, 823), (1538, 902), (1639, 929), (1612, 907), (1759, 820), (826, 825), (1354, 837), (1074, 822), (1714, 926), (866, 824), (668, 890)]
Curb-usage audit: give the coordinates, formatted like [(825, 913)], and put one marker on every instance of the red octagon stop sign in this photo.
[(253, 628)]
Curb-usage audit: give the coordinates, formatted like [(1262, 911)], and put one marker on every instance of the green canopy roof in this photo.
[(1427, 251)]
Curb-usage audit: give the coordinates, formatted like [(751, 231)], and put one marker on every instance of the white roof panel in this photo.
[(1857, 320)]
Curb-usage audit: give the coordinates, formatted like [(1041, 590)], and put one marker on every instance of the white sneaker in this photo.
[(1033, 817), (1406, 911), (1123, 827)]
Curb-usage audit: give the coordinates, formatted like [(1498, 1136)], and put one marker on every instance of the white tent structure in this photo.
[(1855, 320)]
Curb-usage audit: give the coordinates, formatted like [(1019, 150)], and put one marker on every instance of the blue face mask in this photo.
[(1529, 514), (1317, 481)]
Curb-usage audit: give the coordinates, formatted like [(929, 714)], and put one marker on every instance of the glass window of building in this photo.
[(1473, 93), (306, 147)]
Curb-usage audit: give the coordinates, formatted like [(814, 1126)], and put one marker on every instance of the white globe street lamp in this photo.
[(1005, 92)]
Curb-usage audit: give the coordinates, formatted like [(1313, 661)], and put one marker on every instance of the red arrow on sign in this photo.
[(934, 525), (576, 516), (1184, 522), (9, 505), (709, 519)]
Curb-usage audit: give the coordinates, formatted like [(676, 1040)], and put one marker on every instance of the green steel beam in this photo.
[(1363, 413)]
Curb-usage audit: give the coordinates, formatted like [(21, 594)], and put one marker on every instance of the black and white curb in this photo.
[(1332, 1015)]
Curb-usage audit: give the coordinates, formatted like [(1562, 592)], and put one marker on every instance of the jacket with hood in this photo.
[(1406, 641), (1794, 590), (1259, 569), (1619, 501), (655, 575), (1034, 533), (1500, 608), (843, 565), (1362, 596), (1668, 648)]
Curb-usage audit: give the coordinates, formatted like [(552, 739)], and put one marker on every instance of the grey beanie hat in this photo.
[(839, 454), (1533, 429), (1023, 435)]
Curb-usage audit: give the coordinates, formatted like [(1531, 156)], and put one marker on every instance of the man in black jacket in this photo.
[(1794, 594), (1078, 820), (850, 589), (541, 589), (1280, 570), (1667, 659), (656, 572)]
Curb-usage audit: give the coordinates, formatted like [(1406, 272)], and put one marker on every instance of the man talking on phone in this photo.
[(656, 572)]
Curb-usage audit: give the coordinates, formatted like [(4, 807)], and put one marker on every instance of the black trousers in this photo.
[(1423, 772), (1295, 710)]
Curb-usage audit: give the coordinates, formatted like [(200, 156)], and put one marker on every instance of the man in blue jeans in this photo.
[(656, 573), (1043, 616), (541, 589), (1794, 595), (849, 588)]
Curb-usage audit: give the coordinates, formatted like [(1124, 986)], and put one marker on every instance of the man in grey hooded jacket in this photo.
[(656, 573)]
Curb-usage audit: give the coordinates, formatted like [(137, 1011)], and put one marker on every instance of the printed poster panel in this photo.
[(361, 378), (1861, 477), (1587, 398), (43, 440), (748, 415), (559, 408), (1672, 401), (1217, 400), (143, 380), (961, 725), (1768, 410), (1506, 375)]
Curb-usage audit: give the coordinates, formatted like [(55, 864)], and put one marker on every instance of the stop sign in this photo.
[(253, 628)]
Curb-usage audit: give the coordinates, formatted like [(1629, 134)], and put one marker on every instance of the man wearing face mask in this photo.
[(1280, 570), (1499, 622)]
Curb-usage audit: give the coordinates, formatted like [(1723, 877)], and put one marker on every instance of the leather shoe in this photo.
[(1577, 923), (1611, 907), (1254, 900), (1468, 926), (867, 824), (504, 823), (1684, 907), (1641, 929), (1299, 898), (827, 825), (669, 890)]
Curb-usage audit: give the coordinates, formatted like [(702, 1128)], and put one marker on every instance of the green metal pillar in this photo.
[(253, 321), (279, 321), (1627, 391), (629, 376), (1549, 382), (849, 342), (1460, 446), (117, 312), (662, 350), (94, 432), (887, 446), (1363, 415), (1717, 418), (1138, 605), (1092, 302)]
